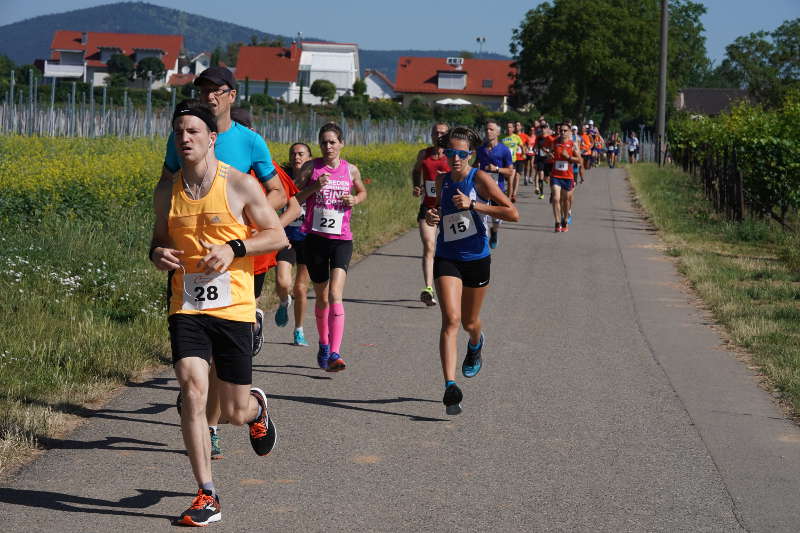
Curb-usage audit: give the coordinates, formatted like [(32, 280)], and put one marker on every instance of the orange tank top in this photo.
[(227, 295)]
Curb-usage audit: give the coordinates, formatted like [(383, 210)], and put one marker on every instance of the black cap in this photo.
[(217, 76)]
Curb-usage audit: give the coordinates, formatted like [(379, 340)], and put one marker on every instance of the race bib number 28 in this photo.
[(203, 291), (327, 221)]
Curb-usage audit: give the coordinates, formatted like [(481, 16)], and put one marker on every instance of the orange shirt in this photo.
[(525, 140), (262, 263), (586, 143)]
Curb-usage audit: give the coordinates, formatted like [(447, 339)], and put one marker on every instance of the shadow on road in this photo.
[(397, 255), (390, 303), (258, 368), (341, 404), (108, 443), (66, 502)]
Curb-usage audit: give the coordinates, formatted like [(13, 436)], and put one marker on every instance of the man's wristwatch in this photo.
[(472, 205)]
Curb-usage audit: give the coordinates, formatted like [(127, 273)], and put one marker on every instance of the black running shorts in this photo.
[(258, 284), (293, 254), (473, 274), (323, 255), (422, 211), (519, 166), (228, 342)]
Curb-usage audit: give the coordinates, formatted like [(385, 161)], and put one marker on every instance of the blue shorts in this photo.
[(564, 183)]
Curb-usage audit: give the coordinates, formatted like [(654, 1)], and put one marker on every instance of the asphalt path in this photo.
[(607, 403)]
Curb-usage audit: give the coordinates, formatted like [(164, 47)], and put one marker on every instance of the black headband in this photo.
[(200, 113)]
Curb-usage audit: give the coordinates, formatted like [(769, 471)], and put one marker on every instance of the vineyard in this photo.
[(748, 159), (84, 308)]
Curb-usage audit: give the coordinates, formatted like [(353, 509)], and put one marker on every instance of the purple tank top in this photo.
[(326, 214)]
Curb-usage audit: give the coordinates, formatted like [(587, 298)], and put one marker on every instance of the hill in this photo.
[(28, 40)]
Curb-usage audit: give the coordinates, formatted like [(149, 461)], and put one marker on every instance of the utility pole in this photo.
[(662, 86)]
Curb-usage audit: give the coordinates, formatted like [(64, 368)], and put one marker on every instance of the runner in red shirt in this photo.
[(565, 154), (431, 162)]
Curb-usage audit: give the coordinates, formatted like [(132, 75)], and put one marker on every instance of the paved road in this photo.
[(606, 404)]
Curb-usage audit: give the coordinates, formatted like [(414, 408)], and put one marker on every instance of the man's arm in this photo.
[(162, 256), (291, 212), (416, 173), (261, 163)]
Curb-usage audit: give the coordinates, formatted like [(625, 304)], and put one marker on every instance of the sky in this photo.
[(421, 25)]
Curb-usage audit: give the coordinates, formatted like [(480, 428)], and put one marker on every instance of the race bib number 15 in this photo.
[(458, 226)]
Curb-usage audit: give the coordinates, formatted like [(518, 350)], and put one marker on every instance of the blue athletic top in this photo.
[(462, 234), (499, 156), (240, 147), (293, 231)]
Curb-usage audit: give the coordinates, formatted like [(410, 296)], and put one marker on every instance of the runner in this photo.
[(521, 160), (328, 186), (544, 161), (578, 140), (612, 150), (299, 154), (467, 196), (496, 159), (530, 155), (514, 143), (633, 148), (563, 181), (211, 303), (430, 163), (246, 151), (586, 148), (598, 144)]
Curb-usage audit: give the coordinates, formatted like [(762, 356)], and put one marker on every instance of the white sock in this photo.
[(300, 329)]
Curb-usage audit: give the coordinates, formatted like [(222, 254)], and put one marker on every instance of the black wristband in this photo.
[(237, 245), (150, 253)]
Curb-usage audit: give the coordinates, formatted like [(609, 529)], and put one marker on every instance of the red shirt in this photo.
[(262, 263), (431, 167), (520, 156)]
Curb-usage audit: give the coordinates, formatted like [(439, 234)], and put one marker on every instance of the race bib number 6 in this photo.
[(458, 226), (327, 221), (430, 188), (203, 291)]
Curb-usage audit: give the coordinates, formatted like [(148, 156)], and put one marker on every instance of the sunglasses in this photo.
[(451, 152)]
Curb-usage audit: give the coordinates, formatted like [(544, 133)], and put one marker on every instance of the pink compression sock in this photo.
[(322, 324), (336, 322)]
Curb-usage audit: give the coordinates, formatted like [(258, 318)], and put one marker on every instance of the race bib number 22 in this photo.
[(327, 221)]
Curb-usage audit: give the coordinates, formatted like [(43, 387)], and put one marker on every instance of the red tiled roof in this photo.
[(127, 42), (379, 74), (179, 80), (274, 63), (420, 75)]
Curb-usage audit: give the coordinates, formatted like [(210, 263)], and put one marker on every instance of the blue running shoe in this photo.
[(323, 355), (299, 338), (472, 362), (493, 239), (335, 363), (569, 219), (282, 314)]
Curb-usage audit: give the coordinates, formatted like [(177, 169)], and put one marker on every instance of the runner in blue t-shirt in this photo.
[(495, 158)]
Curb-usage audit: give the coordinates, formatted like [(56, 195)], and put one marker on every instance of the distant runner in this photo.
[(497, 160), (562, 183), (430, 163)]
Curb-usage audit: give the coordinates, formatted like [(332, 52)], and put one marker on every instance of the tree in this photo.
[(605, 71), (152, 65), (324, 90), (216, 56), (122, 65), (359, 88), (766, 63)]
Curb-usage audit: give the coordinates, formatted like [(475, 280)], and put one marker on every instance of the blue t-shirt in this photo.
[(240, 147), (500, 156)]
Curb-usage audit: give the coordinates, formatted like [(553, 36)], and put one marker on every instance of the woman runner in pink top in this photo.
[(330, 187)]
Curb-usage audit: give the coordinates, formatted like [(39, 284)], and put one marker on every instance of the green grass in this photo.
[(748, 273), (83, 308)]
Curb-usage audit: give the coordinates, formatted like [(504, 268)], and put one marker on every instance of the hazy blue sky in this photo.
[(416, 24)]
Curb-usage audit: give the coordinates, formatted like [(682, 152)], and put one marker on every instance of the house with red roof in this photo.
[(379, 86), (84, 55), (455, 81), (286, 71)]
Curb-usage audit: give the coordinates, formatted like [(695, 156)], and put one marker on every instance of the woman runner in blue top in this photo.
[(462, 261)]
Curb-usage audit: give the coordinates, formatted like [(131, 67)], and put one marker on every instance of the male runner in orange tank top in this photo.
[(202, 236)]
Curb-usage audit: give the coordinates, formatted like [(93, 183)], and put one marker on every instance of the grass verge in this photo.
[(83, 309), (747, 273)]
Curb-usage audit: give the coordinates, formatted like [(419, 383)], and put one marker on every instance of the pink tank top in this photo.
[(326, 214)]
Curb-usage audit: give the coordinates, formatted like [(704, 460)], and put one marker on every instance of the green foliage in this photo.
[(382, 109), (352, 106), (767, 146), (267, 103), (152, 65), (122, 65), (604, 69), (359, 87), (323, 89)]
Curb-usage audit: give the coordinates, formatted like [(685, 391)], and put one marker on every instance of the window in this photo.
[(487, 84), (452, 80)]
